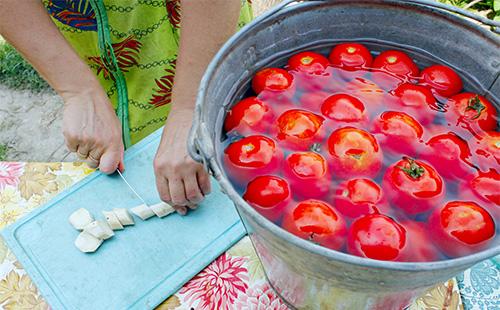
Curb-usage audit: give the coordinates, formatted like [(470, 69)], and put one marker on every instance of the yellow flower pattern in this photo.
[(40, 182)]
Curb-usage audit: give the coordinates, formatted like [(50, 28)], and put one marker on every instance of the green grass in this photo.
[(487, 8), (17, 73), (3, 151)]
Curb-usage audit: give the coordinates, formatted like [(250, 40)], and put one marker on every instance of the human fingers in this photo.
[(204, 181), (192, 190)]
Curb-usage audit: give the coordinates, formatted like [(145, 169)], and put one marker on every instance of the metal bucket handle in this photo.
[(205, 153)]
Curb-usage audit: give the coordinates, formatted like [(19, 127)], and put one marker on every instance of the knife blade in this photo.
[(131, 188)]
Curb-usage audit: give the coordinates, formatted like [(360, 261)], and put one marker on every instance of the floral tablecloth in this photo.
[(235, 280)]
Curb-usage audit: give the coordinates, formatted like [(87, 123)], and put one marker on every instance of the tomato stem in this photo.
[(415, 171), (316, 148), (475, 104)]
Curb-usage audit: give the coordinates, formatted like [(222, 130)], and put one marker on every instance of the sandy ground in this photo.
[(30, 124)]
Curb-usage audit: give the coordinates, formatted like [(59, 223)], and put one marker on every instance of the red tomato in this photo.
[(450, 155), (376, 236), (269, 195), (308, 174), (419, 246), (354, 153), (317, 221), (299, 129), (248, 116), (471, 109), (488, 150), (273, 79), (358, 197), (351, 56), (250, 157), (398, 132), (417, 101), (441, 79), (368, 92), (396, 62), (309, 62), (344, 109), (461, 227), (413, 186), (312, 101), (485, 186)]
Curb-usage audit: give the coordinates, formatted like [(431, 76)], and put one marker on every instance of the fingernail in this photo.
[(182, 211)]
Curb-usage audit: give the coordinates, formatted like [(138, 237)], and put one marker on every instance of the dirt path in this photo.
[(30, 125)]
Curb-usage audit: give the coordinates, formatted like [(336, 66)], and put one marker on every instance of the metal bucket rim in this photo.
[(200, 132)]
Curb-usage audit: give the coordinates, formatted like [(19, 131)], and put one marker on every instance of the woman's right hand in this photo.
[(92, 129)]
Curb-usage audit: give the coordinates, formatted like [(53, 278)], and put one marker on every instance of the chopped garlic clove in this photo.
[(142, 211), (123, 216), (99, 229), (80, 218), (87, 243), (112, 220), (162, 209)]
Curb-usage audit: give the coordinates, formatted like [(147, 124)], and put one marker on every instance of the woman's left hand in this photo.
[(180, 180)]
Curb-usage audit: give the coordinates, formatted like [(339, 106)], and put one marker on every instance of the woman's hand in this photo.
[(92, 130), (180, 180)]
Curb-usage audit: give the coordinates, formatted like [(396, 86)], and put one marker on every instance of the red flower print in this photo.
[(126, 53), (10, 173), (216, 287), (260, 296), (174, 12), (163, 95)]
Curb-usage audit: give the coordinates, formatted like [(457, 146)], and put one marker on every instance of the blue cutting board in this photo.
[(140, 266)]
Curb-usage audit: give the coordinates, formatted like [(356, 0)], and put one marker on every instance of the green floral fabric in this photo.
[(145, 36)]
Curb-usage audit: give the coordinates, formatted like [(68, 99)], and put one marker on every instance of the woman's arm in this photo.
[(91, 127), (205, 26)]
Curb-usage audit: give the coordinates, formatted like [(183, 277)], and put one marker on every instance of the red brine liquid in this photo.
[(367, 153)]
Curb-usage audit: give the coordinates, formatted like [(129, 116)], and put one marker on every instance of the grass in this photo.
[(17, 73), (3, 151), (487, 8)]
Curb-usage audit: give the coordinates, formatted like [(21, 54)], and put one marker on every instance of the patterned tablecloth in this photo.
[(235, 280)]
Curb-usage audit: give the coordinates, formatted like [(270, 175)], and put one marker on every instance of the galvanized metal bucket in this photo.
[(304, 274)]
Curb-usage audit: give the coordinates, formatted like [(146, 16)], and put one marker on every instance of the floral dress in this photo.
[(144, 36)]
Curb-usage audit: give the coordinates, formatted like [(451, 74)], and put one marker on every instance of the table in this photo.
[(235, 280)]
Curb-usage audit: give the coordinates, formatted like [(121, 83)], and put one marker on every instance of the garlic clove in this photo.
[(80, 218), (112, 220), (123, 216), (87, 243), (99, 229), (142, 211), (162, 209)]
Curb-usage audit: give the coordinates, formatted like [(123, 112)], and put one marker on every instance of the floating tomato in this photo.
[(249, 116), (461, 228), (269, 195), (309, 62), (485, 186), (376, 236), (317, 221), (299, 129), (450, 155), (413, 186), (273, 79), (250, 157), (468, 109), (398, 132), (396, 62), (419, 244), (308, 174), (354, 153), (441, 79), (358, 197), (350, 56), (417, 101), (344, 109), (487, 150)]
